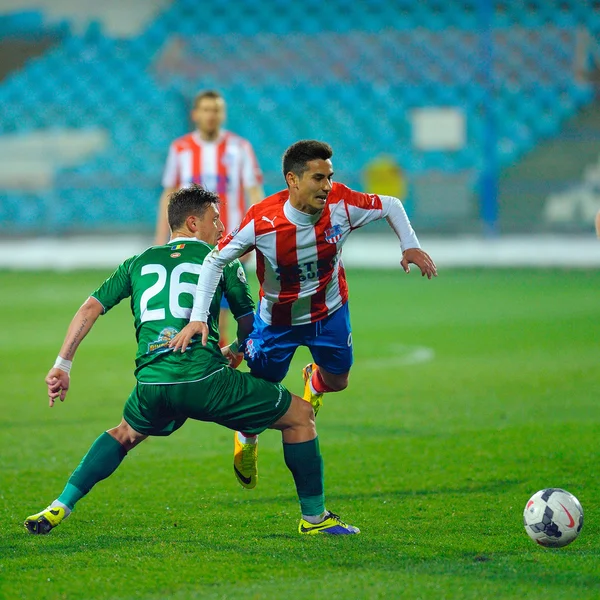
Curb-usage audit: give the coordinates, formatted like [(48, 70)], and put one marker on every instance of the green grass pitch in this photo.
[(469, 393)]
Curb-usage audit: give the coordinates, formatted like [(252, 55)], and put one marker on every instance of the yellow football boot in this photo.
[(245, 458), (44, 521), (331, 525), (315, 399)]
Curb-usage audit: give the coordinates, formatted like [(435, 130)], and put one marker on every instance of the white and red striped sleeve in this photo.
[(171, 177), (251, 173), (365, 208), (233, 246)]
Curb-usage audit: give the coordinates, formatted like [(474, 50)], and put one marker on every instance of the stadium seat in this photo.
[(382, 59)]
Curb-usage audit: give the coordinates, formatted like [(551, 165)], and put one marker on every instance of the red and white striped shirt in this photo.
[(298, 256), (226, 166)]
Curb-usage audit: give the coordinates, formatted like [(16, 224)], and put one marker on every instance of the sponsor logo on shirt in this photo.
[(280, 388), (175, 254), (162, 343), (272, 221), (305, 271), (333, 234)]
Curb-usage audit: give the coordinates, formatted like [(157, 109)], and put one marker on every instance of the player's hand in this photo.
[(58, 385), (418, 257), (184, 337), (233, 358)]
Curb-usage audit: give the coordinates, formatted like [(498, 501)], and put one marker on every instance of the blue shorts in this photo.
[(269, 348)]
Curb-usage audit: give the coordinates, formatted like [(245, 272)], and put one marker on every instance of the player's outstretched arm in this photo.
[(58, 377), (418, 257), (210, 275), (182, 340), (598, 224)]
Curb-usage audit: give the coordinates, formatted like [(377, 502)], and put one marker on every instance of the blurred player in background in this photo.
[(598, 224), (172, 387), (298, 235), (218, 160)]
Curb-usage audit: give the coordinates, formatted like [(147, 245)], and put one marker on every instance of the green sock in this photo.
[(102, 459), (306, 464)]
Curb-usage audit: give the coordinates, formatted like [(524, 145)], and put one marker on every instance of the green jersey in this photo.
[(161, 283)]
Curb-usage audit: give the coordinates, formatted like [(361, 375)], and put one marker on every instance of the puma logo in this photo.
[(270, 221)]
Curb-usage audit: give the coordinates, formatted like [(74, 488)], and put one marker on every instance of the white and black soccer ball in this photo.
[(553, 518)]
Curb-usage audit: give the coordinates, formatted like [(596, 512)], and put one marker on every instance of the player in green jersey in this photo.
[(198, 384)]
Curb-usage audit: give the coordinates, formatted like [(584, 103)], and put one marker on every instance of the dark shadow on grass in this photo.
[(362, 429), (378, 430), (71, 423), (490, 486)]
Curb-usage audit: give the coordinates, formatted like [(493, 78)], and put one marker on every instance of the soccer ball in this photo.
[(553, 518)]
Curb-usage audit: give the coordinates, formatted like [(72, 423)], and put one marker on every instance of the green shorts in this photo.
[(228, 397)]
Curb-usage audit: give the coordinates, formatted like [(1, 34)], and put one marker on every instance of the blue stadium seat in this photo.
[(372, 63)]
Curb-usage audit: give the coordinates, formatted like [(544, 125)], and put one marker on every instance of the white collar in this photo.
[(200, 141), (297, 217)]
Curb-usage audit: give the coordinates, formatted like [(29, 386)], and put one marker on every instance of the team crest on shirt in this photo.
[(250, 349), (162, 343), (333, 234)]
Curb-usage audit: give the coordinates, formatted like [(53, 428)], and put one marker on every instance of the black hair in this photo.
[(193, 200), (298, 154), (213, 94)]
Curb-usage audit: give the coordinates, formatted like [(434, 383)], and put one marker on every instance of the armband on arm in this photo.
[(62, 364)]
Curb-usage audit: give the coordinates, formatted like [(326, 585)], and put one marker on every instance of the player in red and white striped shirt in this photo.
[(218, 160), (298, 235)]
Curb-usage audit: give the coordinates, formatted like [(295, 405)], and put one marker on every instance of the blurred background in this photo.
[(481, 115)]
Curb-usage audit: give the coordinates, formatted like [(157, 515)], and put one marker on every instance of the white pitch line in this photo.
[(401, 355)]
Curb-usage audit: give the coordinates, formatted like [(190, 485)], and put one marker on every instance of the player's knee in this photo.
[(305, 412), (342, 384), (336, 383), (299, 415), (126, 435)]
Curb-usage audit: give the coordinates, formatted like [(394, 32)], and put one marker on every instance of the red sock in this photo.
[(318, 384)]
